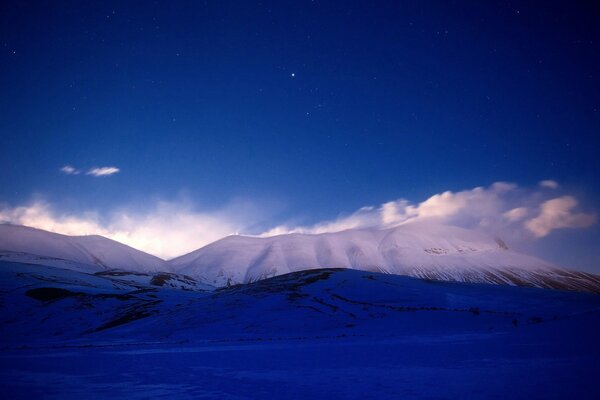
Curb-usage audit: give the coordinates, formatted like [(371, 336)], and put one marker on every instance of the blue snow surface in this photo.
[(320, 334)]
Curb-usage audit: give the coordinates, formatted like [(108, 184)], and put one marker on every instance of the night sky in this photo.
[(304, 109)]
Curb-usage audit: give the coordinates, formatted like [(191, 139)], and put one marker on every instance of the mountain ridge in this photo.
[(99, 253), (426, 251)]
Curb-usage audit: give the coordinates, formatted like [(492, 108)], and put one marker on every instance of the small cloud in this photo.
[(557, 213), (104, 171), (549, 184), (69, 170)]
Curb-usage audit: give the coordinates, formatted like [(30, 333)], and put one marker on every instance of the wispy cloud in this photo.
[(502, 209), (69, 170), (103, 171)]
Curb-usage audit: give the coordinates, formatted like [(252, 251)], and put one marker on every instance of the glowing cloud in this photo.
[(167, 230)]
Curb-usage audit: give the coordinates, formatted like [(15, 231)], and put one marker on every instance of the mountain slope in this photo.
[(50, 305), (421, 250), (82, 253)]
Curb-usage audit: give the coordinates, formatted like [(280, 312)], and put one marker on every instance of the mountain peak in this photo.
[(97, 252)]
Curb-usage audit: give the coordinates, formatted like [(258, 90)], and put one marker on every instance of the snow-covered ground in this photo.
[(312, 334), (77, 322), (453, 367)]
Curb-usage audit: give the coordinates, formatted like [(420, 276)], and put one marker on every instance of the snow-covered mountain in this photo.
[(419, 250), (81, 253)]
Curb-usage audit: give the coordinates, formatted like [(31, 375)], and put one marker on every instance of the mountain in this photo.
[(305, 334), (421, 250), (80, 253)]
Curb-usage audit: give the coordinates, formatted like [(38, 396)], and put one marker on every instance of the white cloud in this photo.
[(549, 184), (468, 206), (103, 171), (557, 213), (502, 208), (69, 170)]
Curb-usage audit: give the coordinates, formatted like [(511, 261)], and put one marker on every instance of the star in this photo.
[(293, 74)]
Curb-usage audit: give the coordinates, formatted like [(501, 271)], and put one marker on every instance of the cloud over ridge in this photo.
[(501, 208), (167, 230), (170, 229)]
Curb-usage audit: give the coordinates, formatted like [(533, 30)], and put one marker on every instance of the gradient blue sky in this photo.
[(308, 108)]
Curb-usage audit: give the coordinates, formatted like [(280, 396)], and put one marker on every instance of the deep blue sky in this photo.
[(321, 106)]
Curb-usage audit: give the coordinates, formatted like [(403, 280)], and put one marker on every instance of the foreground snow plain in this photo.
[(312, 334), (480, 366)]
